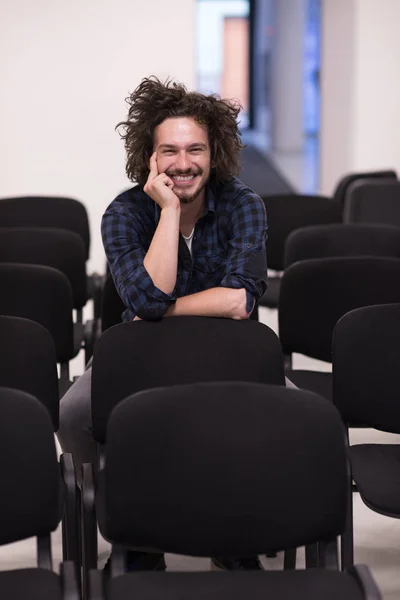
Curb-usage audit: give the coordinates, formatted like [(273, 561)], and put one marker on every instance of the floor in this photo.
[(377, 538)]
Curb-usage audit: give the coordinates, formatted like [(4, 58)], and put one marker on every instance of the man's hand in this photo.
[(159, 186)]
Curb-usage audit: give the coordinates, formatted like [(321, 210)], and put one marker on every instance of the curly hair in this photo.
[(154, 101)]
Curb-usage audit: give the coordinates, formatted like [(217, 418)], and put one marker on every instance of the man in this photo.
[(189, 239)]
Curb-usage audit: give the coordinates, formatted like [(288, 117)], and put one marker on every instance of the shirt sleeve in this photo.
[(125, 254), (246, 263)]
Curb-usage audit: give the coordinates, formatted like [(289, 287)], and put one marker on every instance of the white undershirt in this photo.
[(188, 241)]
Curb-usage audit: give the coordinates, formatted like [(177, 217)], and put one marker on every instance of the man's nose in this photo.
[(183, 162)]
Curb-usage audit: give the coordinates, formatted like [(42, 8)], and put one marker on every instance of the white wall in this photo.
[(65, 71), (360, 88)]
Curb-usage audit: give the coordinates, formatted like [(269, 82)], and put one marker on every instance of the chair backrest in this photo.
[(340, 192), (46, 211), (58, 248), (366, 364), (325, 241), (144, 354), (30, 477), (231, 469), (112, 306), (41, 294), (289, 212), (316, 293), (375, 202), (28, 362)]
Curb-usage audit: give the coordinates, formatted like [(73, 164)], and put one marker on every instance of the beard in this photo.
[(187, 196)]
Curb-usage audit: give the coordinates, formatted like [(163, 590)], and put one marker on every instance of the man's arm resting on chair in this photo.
[(215, 302)]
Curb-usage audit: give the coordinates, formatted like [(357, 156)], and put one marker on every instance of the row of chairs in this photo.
[(177, 446), (362, 198)]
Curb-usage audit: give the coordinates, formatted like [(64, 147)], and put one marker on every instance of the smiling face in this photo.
[(183, 153)]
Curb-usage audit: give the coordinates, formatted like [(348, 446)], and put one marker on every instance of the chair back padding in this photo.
[(46, 211), (112, 306), (366, 364), (340, 192), (325, 241), (145, 354), (41, 294), (57, 248), (316, 293), (289, 212), (28, 362), (375, 202), (30, 477), (230, 469)]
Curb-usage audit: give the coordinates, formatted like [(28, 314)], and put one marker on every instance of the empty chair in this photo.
[(325, 241), (375, 202), (145, 354), (346, 183), (46, 211), (285, 214), (316, 293), (32, 497), (28, 362), (57, 213), (366, 363), (60, 249), (201, 493), (44, 295)]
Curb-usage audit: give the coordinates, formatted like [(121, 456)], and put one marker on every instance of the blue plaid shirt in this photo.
[(228, 248)]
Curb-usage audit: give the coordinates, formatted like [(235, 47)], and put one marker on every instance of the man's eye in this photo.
[(168, 152), (196, 150)]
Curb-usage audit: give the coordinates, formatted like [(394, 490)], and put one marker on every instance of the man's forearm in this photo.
[(161, 260), (215, 302)]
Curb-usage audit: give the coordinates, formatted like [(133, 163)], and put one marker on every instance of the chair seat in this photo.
[(314, 381), (31, 584), (271, 296), (253, 585), (376, 471)]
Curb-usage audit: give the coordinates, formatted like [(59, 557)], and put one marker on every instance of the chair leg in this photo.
[(89, 526), (347, 537), (71, 519), (312, 556), (289, 561)]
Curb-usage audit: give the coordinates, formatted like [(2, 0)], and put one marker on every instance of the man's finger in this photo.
[(153, 166), (164, 178)]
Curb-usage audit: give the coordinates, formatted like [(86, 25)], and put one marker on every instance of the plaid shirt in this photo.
[(228, 248)]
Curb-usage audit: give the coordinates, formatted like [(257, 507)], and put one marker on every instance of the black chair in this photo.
[(249, 491), (316, 293), (284, 214), (346, 183), (46, 211), (61, 249), (58, 213), (375, 202), (44, 295), (112, 306), (327, 241), (31, 501), (28, 362), (143, 354), (140, 355), (366, 363)]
